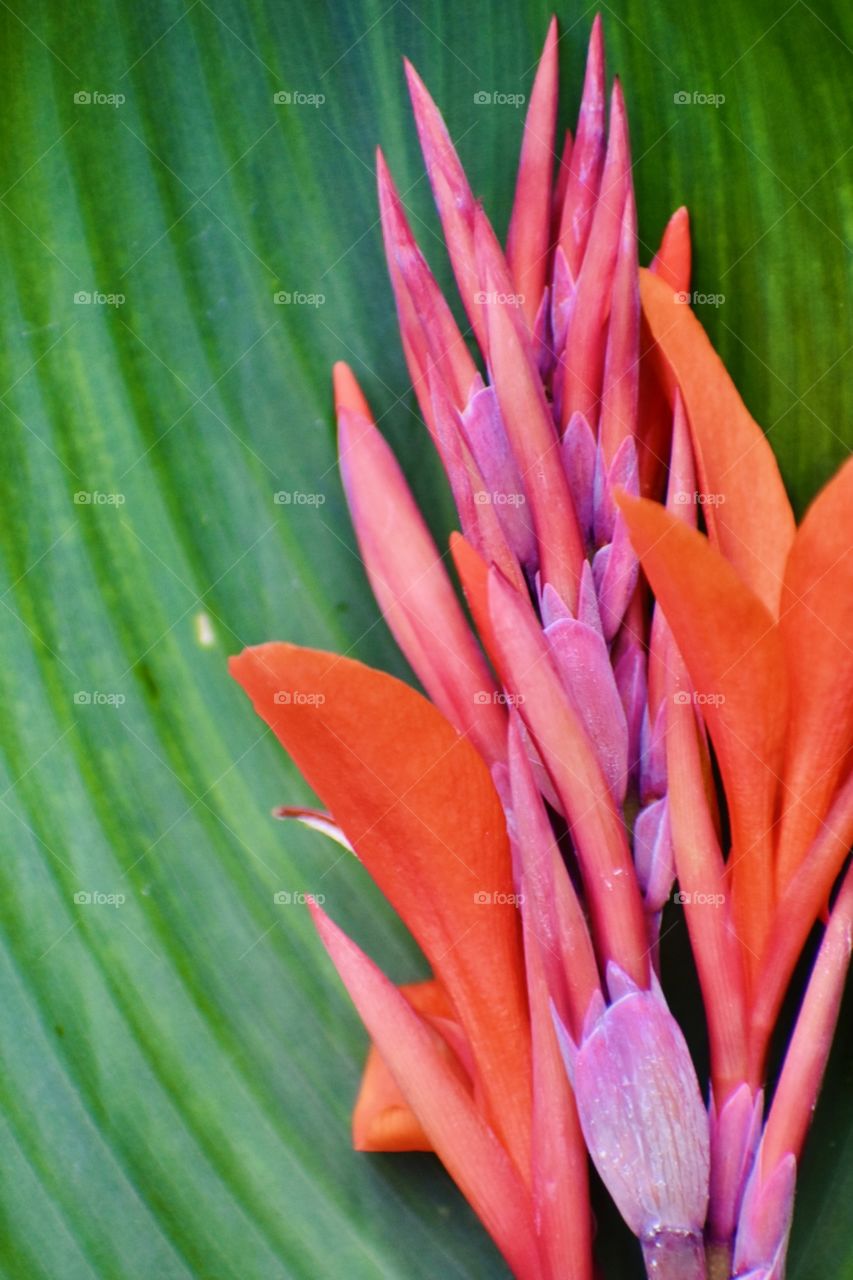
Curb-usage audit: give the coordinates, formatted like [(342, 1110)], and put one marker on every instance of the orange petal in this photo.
[(816, 626), (746, 508), (417, 804), (733, 653), (474, 576), (464, 1143), (672, 261)]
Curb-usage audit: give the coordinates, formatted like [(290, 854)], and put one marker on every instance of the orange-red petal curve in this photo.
[(417, 804), (817, 631), (746, 508), (733, 652), (461, 1138), (382, 1120)]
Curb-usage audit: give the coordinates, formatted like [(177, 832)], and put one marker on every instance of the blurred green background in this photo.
[(179, 1062)]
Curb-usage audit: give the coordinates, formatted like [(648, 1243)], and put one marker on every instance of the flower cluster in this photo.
[(659, 688)]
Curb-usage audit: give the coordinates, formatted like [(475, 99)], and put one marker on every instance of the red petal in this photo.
[(529, 424), (587, 157), (431, 336), (417, 803), (808, 1050), (382, 1119), (453, 197), (411, 584), (734, 655), (620, 391), (608, 872), (464, 1143), (702, 881), (583, 360), (816, 626), (529, 228), (748, 515)]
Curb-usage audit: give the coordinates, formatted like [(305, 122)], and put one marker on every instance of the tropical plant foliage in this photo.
[(178, 1063)]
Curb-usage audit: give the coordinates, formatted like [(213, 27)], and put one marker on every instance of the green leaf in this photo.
[(180, 1064)]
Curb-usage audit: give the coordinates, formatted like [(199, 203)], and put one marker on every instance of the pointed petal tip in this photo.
[(348, 394)]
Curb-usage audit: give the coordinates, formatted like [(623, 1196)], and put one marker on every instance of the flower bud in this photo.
[(644, 1123)]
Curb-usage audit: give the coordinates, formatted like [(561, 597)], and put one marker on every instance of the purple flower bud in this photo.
[(735, 1130), (583, 662), (616, 570), (653, 855), (629, 669), (579, 453), (623, 473), (653, 757), (644, 1123), (486, 434), (765, 1220)]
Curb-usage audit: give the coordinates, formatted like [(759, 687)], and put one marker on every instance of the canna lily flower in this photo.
[(528, 818), (760, 612)]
